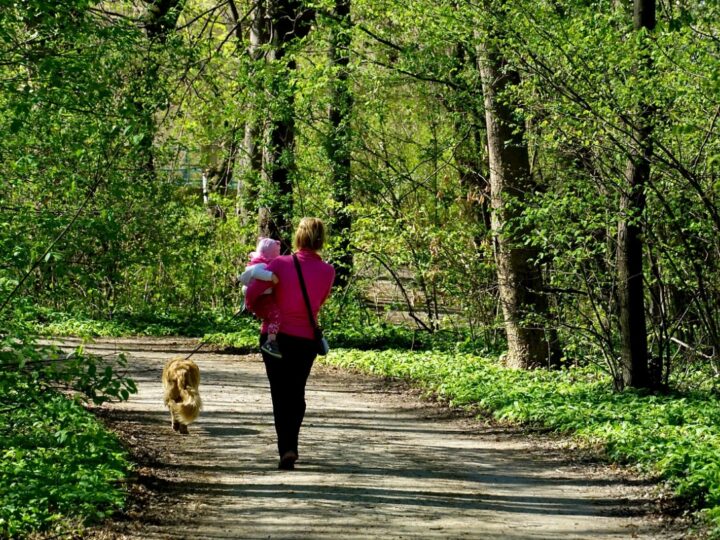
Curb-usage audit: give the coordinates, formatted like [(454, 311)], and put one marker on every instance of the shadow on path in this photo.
[(372, 464)]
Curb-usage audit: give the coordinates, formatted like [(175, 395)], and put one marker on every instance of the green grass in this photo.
[(675, 437), (224, 330), (245, 338), (51, 323), (58, 466), (369, 335)]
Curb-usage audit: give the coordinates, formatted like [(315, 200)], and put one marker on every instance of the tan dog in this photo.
[(181, 381)]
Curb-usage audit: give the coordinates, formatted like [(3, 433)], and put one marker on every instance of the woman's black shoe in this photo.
[(287, 461)]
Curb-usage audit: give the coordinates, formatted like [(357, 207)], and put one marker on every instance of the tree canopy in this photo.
[(482, 156)]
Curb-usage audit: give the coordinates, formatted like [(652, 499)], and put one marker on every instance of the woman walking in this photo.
[(296, 338)]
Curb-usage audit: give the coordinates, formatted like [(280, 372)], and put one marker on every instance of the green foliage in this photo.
[(51, 323), (107, 132), (676, 437), (584, 76), (91, 108), (378, 335), (245, 340), (348, 324), (60, 467)]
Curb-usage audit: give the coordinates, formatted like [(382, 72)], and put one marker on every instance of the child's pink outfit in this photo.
[(264, 306)]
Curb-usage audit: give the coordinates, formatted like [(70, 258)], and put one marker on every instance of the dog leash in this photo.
[(203, 343)]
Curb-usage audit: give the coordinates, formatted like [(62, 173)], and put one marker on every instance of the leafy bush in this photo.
[(676, 437), (58, 464)]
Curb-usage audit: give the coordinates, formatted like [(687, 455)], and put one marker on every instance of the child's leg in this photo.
[(266, 309), (273, 319)]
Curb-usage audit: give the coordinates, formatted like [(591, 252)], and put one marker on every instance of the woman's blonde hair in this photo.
[(310, 234)]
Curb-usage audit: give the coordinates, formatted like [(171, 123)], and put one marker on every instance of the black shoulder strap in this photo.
[(304, 291)]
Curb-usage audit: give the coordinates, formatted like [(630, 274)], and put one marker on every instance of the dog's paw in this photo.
[(175, 425), (183, 429)]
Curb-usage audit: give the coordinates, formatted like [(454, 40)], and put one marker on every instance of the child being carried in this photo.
[(264, 307)]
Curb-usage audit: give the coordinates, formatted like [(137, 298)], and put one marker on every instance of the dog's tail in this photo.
[(189, 407)]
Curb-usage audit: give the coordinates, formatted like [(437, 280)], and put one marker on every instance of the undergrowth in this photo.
[(224, 329), (59, 467), (52, 323), (675, 437)]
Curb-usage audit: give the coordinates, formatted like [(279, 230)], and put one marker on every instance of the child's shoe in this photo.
[(271, 348)]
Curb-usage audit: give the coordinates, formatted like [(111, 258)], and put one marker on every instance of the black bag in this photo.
[(321, 345)]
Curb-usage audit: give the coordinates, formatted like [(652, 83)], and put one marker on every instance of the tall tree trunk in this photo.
[(220, 167), (220, 173), (160, 19), (469, 127), (339, 142), (275, 212), (631, 296), (252, 155), (520, 282), (474, 182), (289, 21)]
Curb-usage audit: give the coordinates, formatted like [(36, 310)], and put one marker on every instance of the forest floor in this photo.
[(376, 461)]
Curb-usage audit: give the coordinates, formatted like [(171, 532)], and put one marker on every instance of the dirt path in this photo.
[(374, 463)]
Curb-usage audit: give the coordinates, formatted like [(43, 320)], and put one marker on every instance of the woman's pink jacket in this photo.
[(319, 277)]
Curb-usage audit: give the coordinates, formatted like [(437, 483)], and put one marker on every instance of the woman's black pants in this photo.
[(288, 376)]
